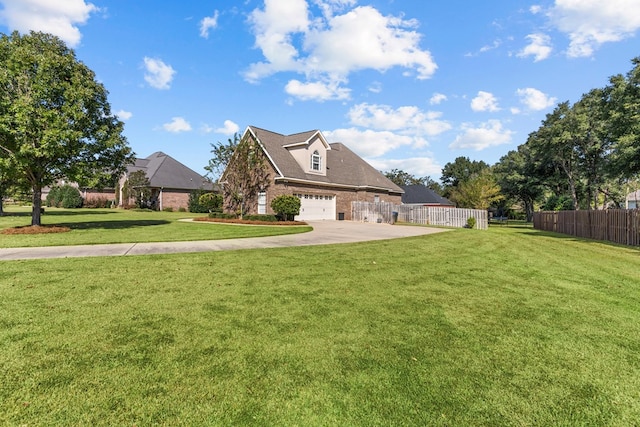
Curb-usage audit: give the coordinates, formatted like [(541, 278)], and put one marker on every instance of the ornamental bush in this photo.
[(66, 196), (286, 206), (211, 202)]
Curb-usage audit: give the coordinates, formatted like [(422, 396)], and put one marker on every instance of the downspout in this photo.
[(161, 191)]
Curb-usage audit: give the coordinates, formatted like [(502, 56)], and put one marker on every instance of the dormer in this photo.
[(310, 153)]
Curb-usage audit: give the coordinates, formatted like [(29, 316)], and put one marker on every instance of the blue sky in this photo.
[(405, 84)]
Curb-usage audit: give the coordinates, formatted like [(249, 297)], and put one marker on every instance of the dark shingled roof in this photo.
[(419, 194), (165, 171), (344, 167)]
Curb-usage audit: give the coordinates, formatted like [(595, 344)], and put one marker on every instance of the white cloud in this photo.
[(590, 23), (534, 99), (489, 134), (417, 166), (330, 47), (535, 9), (369, 143), (318, 91), (124, 115), (177, 125), (60, 18), (485, 101), (539, 47), (375, 87), (158, 74), (409, 120), (229, 128), (437, 98), (208, 23)]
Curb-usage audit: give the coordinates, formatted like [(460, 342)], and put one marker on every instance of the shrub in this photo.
[(286, 206), (261, 217), (66, 196), (181, 209), (222, 215), (167, 209), (471, 222), (98, 202), (211, 202), (194, 201)]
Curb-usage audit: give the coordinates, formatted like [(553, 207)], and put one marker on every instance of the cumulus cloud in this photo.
[(177, 125), (590, 23), (409, 120), (60, 18), (417, 166), (124, 115), (208, 23), (485, 101), (369, 143), (330, 47), (534, 99), (229, 128), (158, 74), (489, 134), (539, 47), (437, 98), (319, 91)]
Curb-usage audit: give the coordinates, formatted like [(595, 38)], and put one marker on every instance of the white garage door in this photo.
[(316, 206)]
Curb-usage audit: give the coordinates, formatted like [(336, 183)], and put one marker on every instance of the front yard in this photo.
[(98, 226), (502, 327)]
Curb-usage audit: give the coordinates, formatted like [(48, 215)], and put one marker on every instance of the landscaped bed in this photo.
[(249, 222)]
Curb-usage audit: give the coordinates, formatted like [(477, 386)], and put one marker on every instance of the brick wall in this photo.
[(175, 199)]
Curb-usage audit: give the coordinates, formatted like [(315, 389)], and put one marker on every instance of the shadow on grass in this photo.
[(112, 225), (59, 213)]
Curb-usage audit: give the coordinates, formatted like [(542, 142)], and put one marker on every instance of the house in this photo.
[(171, 182), (633, 200), (326, 177), (420, 195)]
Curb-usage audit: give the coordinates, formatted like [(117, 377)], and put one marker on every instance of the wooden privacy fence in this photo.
[(449, 217), (614, 225)]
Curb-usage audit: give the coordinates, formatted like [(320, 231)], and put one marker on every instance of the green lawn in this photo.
[(96, 226), (505, 327)]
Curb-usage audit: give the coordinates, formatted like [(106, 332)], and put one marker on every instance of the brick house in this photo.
[(171, 182), (326, 177)]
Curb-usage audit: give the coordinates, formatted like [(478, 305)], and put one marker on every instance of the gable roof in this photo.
[(164, 171), (420, 194), (344, 167)]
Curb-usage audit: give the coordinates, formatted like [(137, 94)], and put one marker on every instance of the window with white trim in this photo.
[(316, 161), (262, 203)]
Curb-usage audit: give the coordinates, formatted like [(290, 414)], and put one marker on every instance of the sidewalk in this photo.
[(323, 233)]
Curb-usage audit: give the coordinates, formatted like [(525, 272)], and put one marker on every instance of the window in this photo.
[(376, 199), (262, 203), (316, 161)]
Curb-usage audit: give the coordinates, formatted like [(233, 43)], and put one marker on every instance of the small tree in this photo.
[(138, 185), (246, 175), (286, 206)]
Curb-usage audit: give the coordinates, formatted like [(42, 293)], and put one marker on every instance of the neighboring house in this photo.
[(326, 177), (420, 195), (171, 182), (633, 200)]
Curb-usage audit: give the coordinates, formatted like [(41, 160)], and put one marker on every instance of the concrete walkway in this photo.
[(324, 233)]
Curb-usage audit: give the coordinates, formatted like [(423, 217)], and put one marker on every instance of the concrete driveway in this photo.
[(324, 233)]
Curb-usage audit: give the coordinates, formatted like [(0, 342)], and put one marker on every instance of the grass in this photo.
[(505, 327), (99, 226)]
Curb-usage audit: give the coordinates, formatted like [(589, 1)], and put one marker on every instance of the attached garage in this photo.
[(316, 207)]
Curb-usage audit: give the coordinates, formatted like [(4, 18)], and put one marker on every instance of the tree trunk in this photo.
[(36, 213)]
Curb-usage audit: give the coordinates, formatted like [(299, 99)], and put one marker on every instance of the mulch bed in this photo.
[(35, 229), (248, 222)]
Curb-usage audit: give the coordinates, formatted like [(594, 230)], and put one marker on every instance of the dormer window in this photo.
[(316, 161)]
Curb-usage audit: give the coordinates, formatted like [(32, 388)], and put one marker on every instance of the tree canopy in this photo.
[(221, 156), (55, 120)]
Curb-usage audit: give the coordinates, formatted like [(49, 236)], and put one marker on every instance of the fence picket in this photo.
[(613, 225), (428, 215)]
